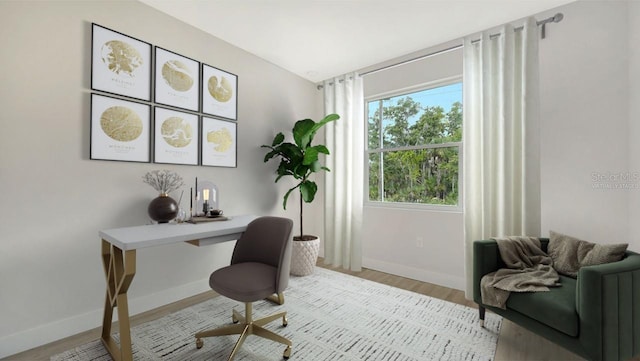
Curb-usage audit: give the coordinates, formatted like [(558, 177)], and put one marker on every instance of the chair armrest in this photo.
[(608, 304), (486, 259)]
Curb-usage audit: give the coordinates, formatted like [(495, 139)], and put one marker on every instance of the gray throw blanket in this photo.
[(529, 270)]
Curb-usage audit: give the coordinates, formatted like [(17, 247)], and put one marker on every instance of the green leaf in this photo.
[(321, 149), (269, 155), (291, 151), (325, 168), (308, 190), (302, 132), (300, 171), (327, 119), (315, 166), (283, 169), (279, 138), (310, 156), (286, 196)]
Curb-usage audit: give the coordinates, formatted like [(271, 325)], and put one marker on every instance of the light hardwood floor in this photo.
[(514, 344)]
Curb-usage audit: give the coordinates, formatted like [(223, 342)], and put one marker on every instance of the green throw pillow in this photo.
[(570, 253)]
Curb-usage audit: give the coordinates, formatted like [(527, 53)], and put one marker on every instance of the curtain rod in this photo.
[(553, 19)]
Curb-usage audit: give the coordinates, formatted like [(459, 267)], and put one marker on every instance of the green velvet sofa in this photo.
[(596, 316)]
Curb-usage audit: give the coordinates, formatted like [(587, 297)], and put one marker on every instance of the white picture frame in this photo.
[(177, 80), (120, 129), (176, 136), (120, 64), (219, 93), (219, 143)]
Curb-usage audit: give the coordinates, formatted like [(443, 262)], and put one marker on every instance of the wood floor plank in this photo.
[(514, 344), (517, 343)]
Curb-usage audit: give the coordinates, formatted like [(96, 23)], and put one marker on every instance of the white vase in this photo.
[(304, 255)]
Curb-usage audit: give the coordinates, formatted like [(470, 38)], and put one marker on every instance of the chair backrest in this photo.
[(267, 240)]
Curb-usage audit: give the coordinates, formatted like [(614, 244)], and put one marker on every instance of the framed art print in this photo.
[(120, 64), (177, 80), (219, 93), (175, 137), (120, 129), (219, 142)]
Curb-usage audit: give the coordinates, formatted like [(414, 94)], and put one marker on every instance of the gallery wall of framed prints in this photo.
[(150, 104)]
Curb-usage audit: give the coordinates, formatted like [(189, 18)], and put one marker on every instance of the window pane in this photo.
[(375, 177), (431, 116), (416, 120), (397, 113), (374, 124), (428, 176)]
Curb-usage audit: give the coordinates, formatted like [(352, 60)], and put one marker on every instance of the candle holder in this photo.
[(206, 198), (205, 207)]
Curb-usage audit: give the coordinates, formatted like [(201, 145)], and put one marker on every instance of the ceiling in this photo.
[(320, 39)]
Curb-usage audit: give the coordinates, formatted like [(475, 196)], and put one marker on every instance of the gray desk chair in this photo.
[(259, 269)]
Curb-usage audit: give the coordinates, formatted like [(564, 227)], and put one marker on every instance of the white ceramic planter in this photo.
[(304, 255)]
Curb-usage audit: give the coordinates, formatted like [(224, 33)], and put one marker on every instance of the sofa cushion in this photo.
[(556, 308), (570, 253)]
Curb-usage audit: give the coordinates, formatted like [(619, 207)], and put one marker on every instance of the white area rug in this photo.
[(332, 316)]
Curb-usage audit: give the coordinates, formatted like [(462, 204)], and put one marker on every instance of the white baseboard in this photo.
[(57, 330), (415, 273)]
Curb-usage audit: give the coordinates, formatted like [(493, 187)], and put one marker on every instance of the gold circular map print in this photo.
[(121, 57), (177, 75), (221, 138), (222, 91), (176, 132), (121, 123)]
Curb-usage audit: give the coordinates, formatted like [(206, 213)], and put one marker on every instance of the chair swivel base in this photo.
[(248, 327)]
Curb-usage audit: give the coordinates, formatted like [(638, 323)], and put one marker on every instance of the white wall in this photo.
[(585, 121), (634, 119), (589, 124), (55, 199)]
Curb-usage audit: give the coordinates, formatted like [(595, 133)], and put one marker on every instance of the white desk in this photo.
[(119, 247)]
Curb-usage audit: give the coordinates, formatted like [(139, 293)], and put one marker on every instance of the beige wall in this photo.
[(54, 199)]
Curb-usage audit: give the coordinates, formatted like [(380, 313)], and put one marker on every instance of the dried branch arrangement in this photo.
[(164, 181)]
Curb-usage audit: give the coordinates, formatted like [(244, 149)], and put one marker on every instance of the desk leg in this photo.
[(119, 269)]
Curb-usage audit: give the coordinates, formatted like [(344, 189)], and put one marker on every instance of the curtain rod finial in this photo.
[(558, 17)]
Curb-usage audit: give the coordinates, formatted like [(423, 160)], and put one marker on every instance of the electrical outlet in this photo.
[(419, 242)]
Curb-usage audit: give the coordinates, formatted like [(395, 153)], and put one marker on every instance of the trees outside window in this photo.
[(414, 145)]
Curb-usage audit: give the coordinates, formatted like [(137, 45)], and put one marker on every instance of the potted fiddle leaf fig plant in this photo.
[(300, 160)]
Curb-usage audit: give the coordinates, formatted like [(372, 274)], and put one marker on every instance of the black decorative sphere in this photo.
[(163, 209)]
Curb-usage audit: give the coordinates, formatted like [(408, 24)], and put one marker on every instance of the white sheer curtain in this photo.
[(501, 138), (344, 183)]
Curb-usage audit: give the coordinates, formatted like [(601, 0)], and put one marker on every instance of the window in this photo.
[(414, 144)]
